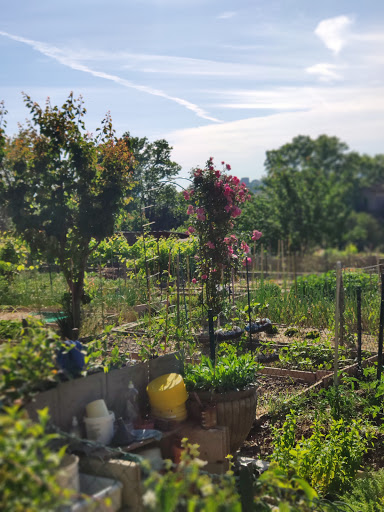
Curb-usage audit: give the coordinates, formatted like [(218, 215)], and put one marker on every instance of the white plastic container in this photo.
[(68, 474), (100, 429), (96, 409), (98, 489)]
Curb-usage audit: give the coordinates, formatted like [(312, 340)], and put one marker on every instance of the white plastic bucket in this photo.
[(100, 429), (68, 474), (96, 409)]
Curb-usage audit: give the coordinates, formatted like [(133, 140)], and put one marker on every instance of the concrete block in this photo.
[(48, 399), (213, 442), (126, 472), (75, 394)]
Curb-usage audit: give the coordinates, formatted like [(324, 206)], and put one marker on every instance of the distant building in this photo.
[(253, 185), (372, 201)]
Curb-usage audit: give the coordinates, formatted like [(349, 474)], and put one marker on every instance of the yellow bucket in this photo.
[(167, 392), (178, 413)]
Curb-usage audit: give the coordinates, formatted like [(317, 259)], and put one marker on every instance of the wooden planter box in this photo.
[(235, 410)]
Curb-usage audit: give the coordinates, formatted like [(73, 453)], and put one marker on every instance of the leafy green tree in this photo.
[(311, 188), (363, 230), (62, 187), (154, 167)]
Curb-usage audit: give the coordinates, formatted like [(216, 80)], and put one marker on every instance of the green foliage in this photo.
[(62, 187), (328, 459), (186, 489), (104, 353), (27, 362), (153, 168), (231, 372), (28, 465), (214, 201), (315, 284), (291, 331), (367, 494), (309, 356)]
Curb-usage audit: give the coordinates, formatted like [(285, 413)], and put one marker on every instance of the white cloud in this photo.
[(334, 32), (226, 15), (325, 71), (67, 60), (355, 115)]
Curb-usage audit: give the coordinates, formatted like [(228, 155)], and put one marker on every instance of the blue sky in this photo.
[(224, 78)]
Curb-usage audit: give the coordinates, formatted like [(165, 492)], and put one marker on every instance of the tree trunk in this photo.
[(77, 294)]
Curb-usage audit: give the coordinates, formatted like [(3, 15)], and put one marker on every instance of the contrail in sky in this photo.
[(59, 56)]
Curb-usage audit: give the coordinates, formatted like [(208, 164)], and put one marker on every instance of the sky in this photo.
[(230, 79)]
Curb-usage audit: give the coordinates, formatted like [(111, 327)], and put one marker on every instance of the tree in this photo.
[(311, 188), (162, 203), (62, 186)]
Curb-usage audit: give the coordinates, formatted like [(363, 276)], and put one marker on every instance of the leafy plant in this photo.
[(27, 363), (328, 459), (28, 465), (186, 489), (367, 494), (291, 331), (231, 372), (304, 355)]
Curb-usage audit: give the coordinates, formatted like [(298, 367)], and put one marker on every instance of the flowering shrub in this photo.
[(214, 204)]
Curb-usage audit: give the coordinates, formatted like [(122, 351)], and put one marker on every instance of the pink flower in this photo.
[(245, 247), (198, 172), (197, 257), (256, 234), (200, 214), (204, 277), (222, 163), (186, 195), (190, 210), (214, 270), (194, 280), (235, 180), (236, 212), (227, 240), (228, 167), (247, 260), (230, 250), (227, 208), (211, 245), (218, 174), (191, 229)]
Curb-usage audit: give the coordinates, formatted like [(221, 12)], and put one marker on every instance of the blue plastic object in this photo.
[(72, 361)]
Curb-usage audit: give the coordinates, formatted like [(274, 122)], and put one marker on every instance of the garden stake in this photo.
[(337, 313), (101, 293), (178, 290), (167, 300), (189, 288), (211, 336), (380, 351), (183, 286), (358, 297), (249, 303)]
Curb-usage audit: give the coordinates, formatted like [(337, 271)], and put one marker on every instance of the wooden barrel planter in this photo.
[(235, 410)]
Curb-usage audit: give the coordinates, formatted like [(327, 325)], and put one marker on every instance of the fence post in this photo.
[(249, 302), (211, 336), (337, 314), (380, 350), (359, 329)]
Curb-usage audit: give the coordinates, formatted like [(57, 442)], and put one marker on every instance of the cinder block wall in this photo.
[(69, 399)]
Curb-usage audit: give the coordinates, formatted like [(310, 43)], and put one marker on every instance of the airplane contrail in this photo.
[(59, 55)]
